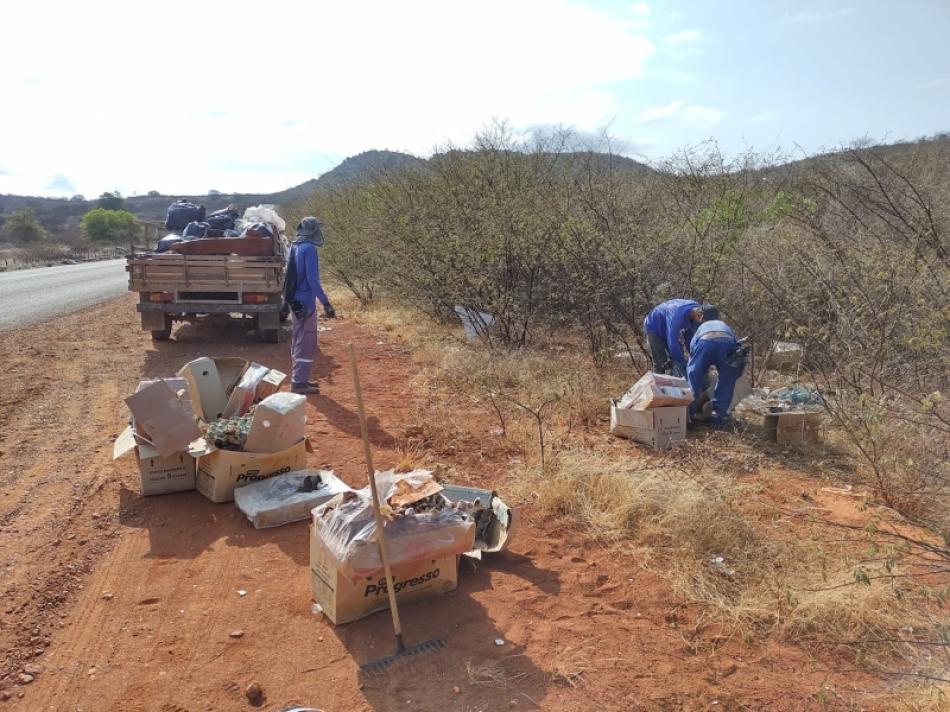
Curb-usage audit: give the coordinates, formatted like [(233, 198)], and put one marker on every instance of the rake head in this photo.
[(377, 667)]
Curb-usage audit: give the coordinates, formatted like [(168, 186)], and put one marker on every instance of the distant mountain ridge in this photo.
[(57, 214)]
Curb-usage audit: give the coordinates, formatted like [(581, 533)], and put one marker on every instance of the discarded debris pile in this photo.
[(790, 414), (427, 527), (220, 424), (652, 411)]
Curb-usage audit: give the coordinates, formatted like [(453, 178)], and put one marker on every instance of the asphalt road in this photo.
[(29, 296)]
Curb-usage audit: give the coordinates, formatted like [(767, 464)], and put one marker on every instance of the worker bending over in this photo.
[(666, 324), (715, 344)]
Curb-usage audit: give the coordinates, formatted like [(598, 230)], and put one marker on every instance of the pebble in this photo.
[(32, 670), (254, 691), (25, 679), (237, 633), (456, 689), (107, 596)]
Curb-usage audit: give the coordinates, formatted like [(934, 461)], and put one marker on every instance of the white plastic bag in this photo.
[(347, 527), (285, 498), (264, 213)]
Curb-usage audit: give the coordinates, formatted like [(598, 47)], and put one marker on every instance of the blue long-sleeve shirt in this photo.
[(668, 320), (307, 262), (709, 326)]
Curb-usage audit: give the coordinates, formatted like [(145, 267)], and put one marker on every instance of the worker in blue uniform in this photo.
[(666, 324), (715, 344), (302, 292)]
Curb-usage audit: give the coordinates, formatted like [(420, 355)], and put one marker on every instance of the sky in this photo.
[(186, 97)]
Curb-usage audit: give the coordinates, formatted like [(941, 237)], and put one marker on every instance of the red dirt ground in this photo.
[(112, 601)]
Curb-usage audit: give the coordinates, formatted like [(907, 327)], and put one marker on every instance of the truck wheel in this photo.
[(284, 312), (163, 334), (271, 336)]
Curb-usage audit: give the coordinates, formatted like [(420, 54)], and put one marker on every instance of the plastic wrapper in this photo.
[(264, 213), (655, 390), (347, 527), (287, 498), (242, 397)]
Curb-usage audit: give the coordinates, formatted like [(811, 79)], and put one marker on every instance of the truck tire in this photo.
[(163, 334)]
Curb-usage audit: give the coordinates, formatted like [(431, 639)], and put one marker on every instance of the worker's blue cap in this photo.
[(310, 229), (710, 313)]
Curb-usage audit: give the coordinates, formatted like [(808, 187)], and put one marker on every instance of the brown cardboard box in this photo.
[(221, 471), (344, 600), (162, 418), (159, 475), (656, 390), (793, 427), (659, 428), (270, 384)]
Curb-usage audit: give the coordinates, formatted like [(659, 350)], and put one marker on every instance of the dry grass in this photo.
[(491, 674), (569, 665), (684, 514)]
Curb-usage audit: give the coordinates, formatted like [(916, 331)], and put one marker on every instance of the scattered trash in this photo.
[(784, 356), (107, 596), (287, 498), (499, 642), (242, 593), (655, 390), (718, 564), (475, 323), (236, 634)]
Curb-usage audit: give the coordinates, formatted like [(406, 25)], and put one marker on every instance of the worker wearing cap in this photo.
[(666, 324), (303, 292), (714, 344)]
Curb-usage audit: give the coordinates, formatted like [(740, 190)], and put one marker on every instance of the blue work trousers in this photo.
[(713, 352)]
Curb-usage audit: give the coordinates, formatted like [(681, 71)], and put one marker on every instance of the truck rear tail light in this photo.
[(255, 298), (161, 296)]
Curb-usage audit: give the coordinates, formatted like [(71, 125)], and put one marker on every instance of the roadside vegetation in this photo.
[(847, 254)]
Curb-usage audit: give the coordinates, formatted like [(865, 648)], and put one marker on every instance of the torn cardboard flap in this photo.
[(406, 493), (162, 419)]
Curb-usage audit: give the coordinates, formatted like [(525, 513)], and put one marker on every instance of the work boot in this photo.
[(306, 389)]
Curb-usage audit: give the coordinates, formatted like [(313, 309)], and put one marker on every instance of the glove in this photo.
[(329, 312)]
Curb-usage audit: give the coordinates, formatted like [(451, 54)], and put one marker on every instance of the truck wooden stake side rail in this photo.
[(174, 287)]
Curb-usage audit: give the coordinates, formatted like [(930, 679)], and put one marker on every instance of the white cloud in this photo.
[(690, 115), (640, 8), (291, 88), (764, 117), (658, 113), (822, 16), (702, 117), (684, 37)]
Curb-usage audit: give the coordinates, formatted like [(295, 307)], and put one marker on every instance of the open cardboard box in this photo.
[(160, 474), (220, 472), (213, 384)]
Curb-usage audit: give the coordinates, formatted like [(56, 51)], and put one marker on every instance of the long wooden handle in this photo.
[(371, 471)]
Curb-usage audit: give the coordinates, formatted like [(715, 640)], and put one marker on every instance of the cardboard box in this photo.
[(221, 471), (785, 356), (279, 421), (793, 427), (344, 600), (284, 498), (162, 418), (159, 474), (270, 384), (659, 428), (656, 390)]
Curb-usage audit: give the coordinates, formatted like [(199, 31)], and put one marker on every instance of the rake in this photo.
[(402, 650)]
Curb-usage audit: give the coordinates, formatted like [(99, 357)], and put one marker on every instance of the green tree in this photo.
[(101, 225), (111, 201), (22, 226)]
